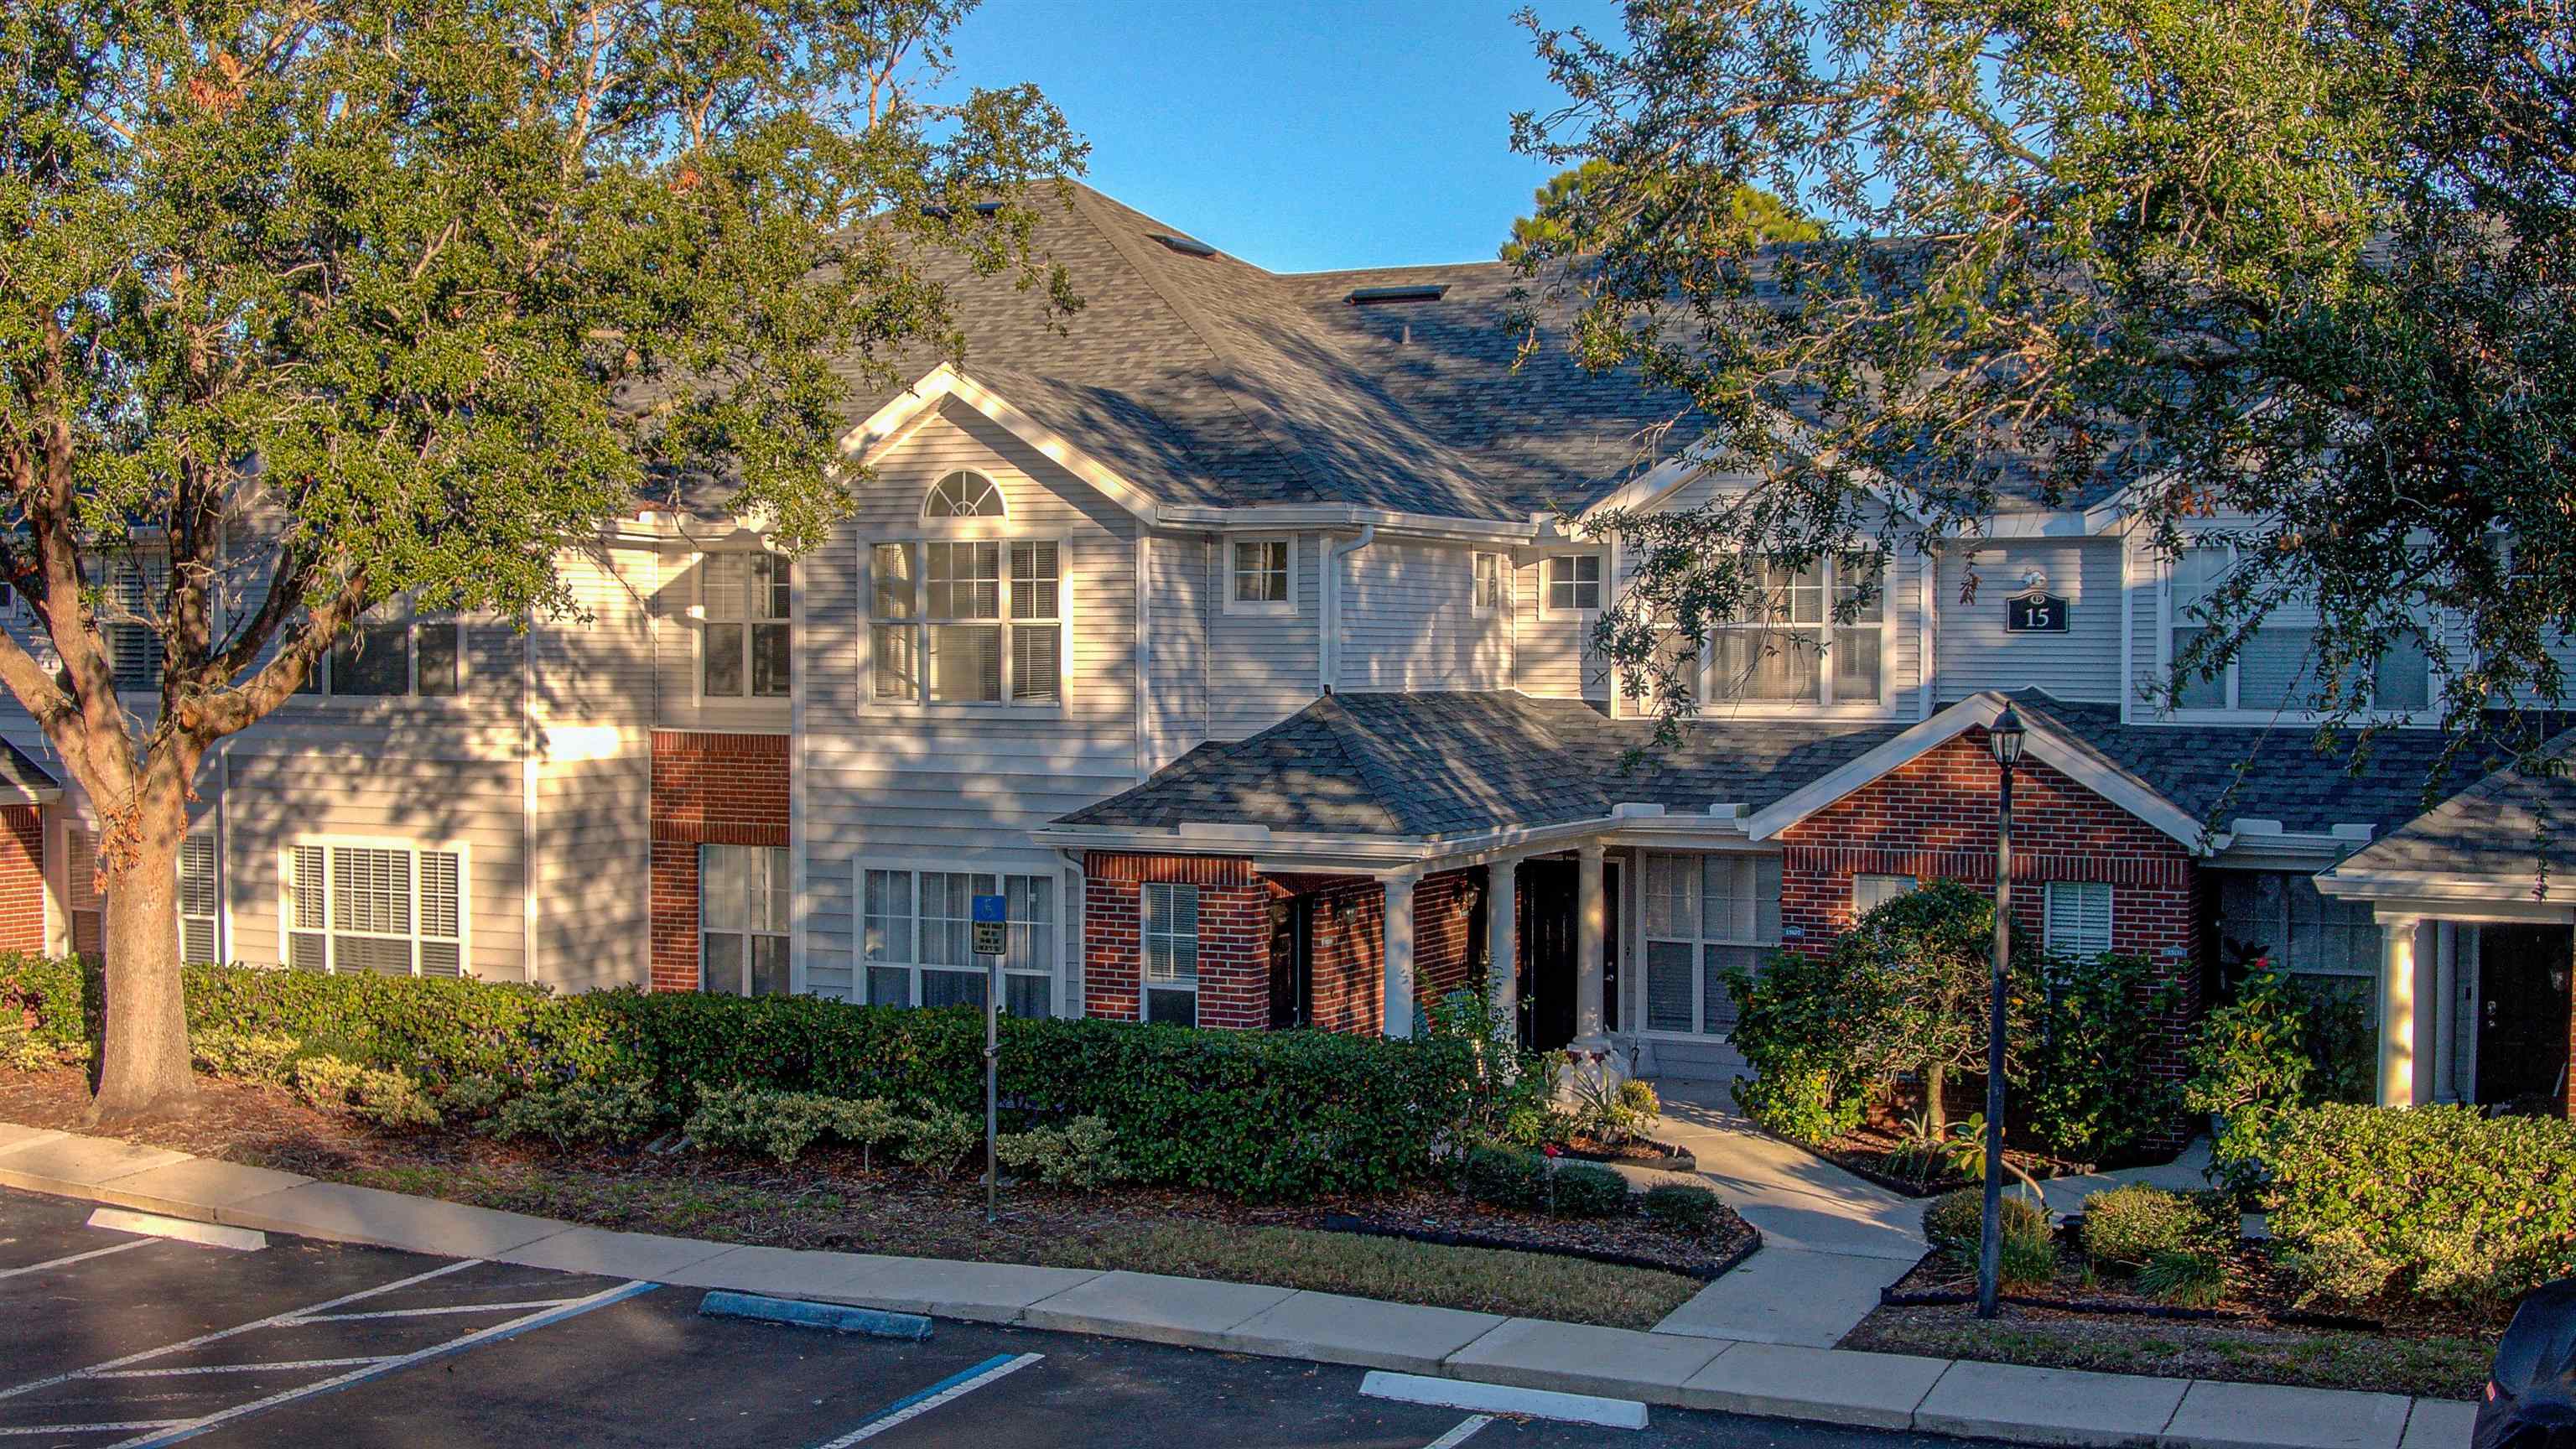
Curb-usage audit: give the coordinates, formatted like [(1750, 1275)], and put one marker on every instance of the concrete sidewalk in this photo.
[(2033, 1406)]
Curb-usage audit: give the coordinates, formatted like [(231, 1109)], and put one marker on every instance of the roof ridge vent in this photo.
[(1382, 296), (1187, 246)]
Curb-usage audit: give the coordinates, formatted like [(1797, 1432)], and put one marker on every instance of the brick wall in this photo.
[(1444, 912), (708, 789), (1934, 818), (22, 878), (1348, 956)]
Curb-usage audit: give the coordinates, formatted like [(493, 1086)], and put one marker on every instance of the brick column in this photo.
[(708, 789), (22, 878), (1233, 939)]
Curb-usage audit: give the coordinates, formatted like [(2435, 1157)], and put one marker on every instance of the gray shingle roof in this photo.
[(20, 769), (2514, 826), (1449, 764)]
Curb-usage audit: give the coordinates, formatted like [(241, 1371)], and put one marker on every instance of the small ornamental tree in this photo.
[(1919, 971), (316, 306)]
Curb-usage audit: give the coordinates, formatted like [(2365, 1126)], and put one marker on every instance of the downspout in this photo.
[(1328, 646)]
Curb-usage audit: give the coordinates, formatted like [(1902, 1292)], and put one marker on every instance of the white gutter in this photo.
[(1328, 612), (1275, 516)]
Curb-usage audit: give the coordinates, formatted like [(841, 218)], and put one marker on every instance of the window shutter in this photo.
[(80, 891), (2078, 917), (198, 903), (134, 646), (442, 914), (305, 945)]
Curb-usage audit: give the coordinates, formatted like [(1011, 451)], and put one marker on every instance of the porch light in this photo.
[(2004, 738)]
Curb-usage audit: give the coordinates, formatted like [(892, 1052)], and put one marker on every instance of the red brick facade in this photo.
[(22, 878), (708, 789)]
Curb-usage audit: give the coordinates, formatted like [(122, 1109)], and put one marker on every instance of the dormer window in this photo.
[(963, 494)]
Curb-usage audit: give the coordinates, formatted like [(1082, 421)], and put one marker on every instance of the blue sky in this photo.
[(1300, 136)]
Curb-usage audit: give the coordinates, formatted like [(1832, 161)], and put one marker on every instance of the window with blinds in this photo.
[(82, 899), (199, 901), (2077, 917), (743, 897), (1705, 914), (389, 910), (2274, 669), (134, 646), (746, 601), (390, 651), (968, 621), (916, 939)]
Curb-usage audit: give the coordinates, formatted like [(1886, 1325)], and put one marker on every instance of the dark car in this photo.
[(2531, 1395)]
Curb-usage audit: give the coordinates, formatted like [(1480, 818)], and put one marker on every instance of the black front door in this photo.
[(2522, 1012), (1546, 897), (1292, 977)]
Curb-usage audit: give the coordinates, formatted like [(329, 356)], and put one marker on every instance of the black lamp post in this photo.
[(2004, 738)]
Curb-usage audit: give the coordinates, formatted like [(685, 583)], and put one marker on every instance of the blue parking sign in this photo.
[(990, 908), (990, 916)]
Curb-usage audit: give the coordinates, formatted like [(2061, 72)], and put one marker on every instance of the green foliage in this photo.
[(591, 1109), (325, 1081), (2446, 1202), (2217, 258), (784, 1124), (473, 1097), (244, 1056), (393, 1099), (1954, 1222), (1503, 1177), (1548, 230), (1511, 1093), (1608, 1108), (933, 1138), (2135, 1223), (21, 1048), (1080, 1154), (1799, 1101), (1792, 1027), (2082, 1091), (2185, 1279), (1268, 1115), (1683, 1207), (2023, 1261), (1589, 1190)]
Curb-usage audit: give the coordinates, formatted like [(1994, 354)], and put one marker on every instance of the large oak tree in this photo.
[(2308, 264), (308, 306)]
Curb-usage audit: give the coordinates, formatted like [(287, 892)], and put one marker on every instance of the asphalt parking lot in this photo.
[(110, 1338)]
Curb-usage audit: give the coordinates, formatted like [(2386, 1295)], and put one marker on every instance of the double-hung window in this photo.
[(1869, 892), (1573, 583), (1262, 574), (2275, 669), (743, 895), (390, 650), (1170, 941), (388, 909), (1703, 915), (2076, 917), (968, 621), (1490, 585), (1808, 635), (916, 939), (746, 600), (2280, 917)]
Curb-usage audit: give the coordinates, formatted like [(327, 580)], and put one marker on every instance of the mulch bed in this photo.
[(1865, 1150), (830, 1198), (1634, 1152)]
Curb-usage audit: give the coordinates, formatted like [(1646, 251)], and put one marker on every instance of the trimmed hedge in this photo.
[(1257, 1114), (2442, 1201)]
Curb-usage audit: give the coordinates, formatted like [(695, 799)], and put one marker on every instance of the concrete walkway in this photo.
[(1830, 1240), (1684, 1369), (2188, 1172)]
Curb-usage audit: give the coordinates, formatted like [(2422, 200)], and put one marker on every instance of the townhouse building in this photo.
[(1238, 634)]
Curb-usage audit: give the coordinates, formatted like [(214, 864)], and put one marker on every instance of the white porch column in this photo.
[(1398, 953), (2397, 1010), (2446, 1009), (1591, 924), (1502, 938)]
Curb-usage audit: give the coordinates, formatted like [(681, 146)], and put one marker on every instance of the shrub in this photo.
[(2133, 1224), (2444, 1201), (325, 1081), (1587, 1190), (1800, 1101), (1080, 1154), (1504, 1177), (21, 1049), (591, 1110), (1607, 1108), (1954, 1222), (1683, 1207), (2247, 1060), (244, 1055), (393, 1099), (2185, 1279), (2083, 1092), (934, 1138), (473, 1097), (2023, 1260)]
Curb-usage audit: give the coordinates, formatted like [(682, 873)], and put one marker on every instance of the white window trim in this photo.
[(699, 621), (990, 482), (1235, 605), (213, 840), (1144, 936), (2167, 620), (2048, 912), (784, 933), (1502, 603), (1820, 635), (979, 529), (323, 688), (1546, 593), (464, 854), (1639, 865), (916, 868)]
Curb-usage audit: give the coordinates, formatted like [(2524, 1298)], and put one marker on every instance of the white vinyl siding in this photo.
[(2077, 917), (743, 907), (1869, 892), (394, 910), (917, 936), (1704, 914), (1171, 953), (1976, 651)]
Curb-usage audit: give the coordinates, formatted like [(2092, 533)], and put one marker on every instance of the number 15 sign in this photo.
[(2035, 614)]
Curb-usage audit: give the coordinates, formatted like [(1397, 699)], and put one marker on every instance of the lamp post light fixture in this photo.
[(2004, 737)]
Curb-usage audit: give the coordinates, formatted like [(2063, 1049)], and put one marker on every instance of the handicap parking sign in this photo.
[(990, 916)]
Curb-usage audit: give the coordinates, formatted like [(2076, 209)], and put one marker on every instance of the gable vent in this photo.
[(1186, 246), (1380, 296)]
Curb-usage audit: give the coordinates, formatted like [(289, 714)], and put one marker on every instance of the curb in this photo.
[(798, 1313), (1817, 1385)]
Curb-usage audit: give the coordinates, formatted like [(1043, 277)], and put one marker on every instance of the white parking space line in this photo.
[(445, 1308), (65, 1262), (241, 1368), (191, 1428), (957, 1385), (1465, 1431), (90, 1428), (201, 1340)]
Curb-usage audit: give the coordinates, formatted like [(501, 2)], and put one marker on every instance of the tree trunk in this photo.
[(144, 1070), (1935, 1121)]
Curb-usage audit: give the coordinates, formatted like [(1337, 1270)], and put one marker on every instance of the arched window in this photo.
[(963, 494)]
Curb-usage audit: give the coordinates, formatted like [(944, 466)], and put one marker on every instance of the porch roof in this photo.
[(2511, 831), (24, 781)]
